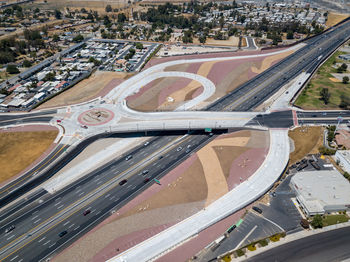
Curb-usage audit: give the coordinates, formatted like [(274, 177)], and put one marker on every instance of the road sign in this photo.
[(208, 130), (157, 181)]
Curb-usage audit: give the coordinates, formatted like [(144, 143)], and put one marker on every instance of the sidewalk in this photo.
[(290, 238)]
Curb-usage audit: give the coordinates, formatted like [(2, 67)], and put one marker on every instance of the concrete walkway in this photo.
[(242, 195)]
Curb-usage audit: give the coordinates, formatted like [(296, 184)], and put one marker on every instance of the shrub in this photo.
[(263, 242), (317, 221), (325, 151), (240, 252)]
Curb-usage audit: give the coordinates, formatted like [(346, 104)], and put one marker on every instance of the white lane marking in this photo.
[(154, 163), (35, 212), (133, 187), (99, 182), (42, 239), (93, 211), (78, 191), (82, 193), (48, 241), (20, 260), (98, 213), (57, 203), (66, 223), (72, 225), (76, 228), (34, 217), (52, 245), (57, 198), (107, 195), (60, 207), (250, 232), (116, 199), (36, 221), (10, 237), (14, 258)]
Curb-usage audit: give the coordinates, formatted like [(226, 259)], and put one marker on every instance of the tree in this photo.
[(55, 38), (345, 79), (78, 38), (317, 221), (27, 63), (139, 45), (121, 18), (342, 68), (49, 76), (202, 39), (345, 101), (58, 14), (108, 8), (90, 17), (290, 35), (106, 20), (12, 69), (95, 61), (325, 95)]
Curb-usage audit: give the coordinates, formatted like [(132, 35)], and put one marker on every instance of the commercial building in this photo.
[(343, 157), (320, 192)]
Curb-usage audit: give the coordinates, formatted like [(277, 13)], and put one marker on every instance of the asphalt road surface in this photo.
[(36, 232), (324, 247)]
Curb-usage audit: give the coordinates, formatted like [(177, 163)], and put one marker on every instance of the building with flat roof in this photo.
[(343, 157), (320, 192)]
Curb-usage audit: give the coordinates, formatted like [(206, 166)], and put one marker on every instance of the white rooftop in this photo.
[(327, 187), (345, 154)]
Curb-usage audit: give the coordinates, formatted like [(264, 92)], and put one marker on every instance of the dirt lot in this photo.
[(19, 149), (307, 140), (87, 89), (334, 18), (232, 41)]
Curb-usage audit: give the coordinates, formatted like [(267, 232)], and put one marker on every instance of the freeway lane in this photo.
[(324, 247), (268, 82), (256, 96), (157, 168)]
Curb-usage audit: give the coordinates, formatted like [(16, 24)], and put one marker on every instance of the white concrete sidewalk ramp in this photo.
[(250, 190)]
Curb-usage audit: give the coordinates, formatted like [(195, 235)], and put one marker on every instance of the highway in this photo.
[(36, 233), (111, 195), (324, 247)]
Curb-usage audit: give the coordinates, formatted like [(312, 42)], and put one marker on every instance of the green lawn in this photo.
[(334, 219), (310, 96)]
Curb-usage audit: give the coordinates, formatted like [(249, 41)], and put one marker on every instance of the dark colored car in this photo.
[(10, 228), (128, 157), (160, 157), (231, 229), (146, 180), (256, 209), (304, 223), (123, 182), (86, 212), (145, 172), (63, 233)]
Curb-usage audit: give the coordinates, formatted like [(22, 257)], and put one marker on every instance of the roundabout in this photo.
[(95, 117)]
